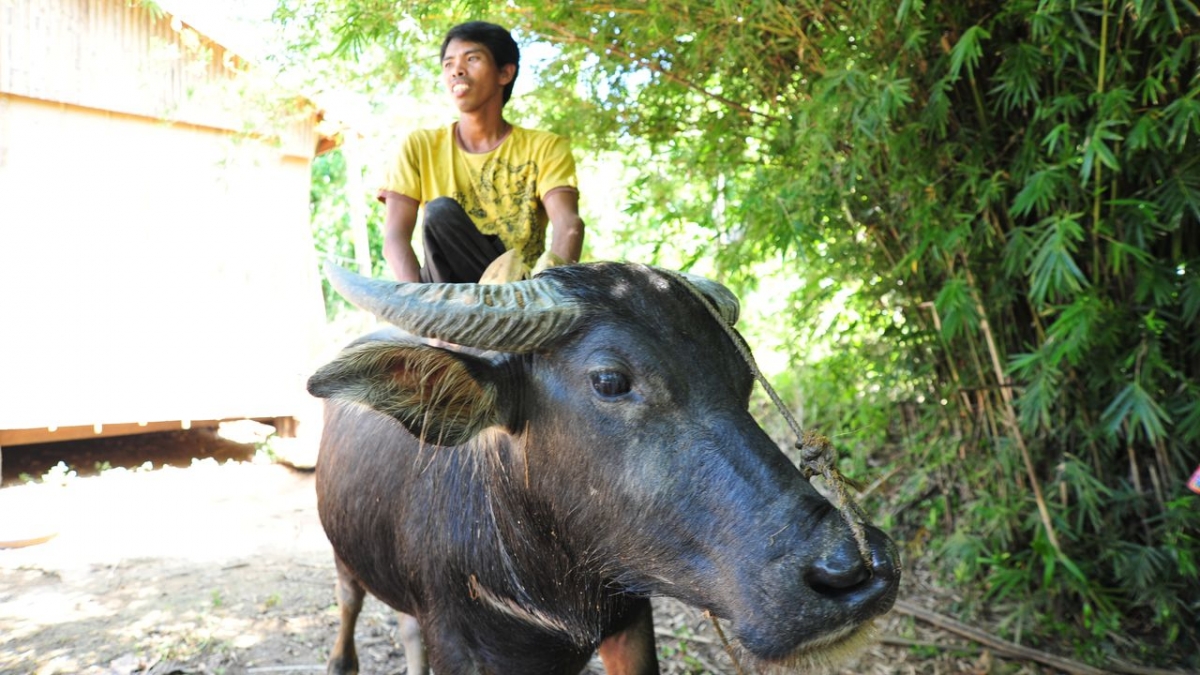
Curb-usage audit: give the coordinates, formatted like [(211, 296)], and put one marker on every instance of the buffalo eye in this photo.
[(610, 383)]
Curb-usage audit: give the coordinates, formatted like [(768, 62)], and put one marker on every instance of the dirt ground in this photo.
[(188, 552)]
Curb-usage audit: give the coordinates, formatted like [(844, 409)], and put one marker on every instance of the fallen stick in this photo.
[(963, 647), (1012, 649)]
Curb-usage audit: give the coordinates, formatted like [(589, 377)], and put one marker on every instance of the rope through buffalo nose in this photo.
[(817, 455), (724, 641)]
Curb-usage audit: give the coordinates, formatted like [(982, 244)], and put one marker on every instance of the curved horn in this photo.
[(722, 298), (515, 317)]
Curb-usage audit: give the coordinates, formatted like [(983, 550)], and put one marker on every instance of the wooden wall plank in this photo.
[(109, 55)]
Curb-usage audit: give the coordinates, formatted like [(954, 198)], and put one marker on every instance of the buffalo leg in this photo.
[(343, 660), (414, 648), (631, 651)]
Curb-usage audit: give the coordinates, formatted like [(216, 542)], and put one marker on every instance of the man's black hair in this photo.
[(496, 39)]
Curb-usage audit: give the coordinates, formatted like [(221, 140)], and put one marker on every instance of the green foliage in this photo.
[(330, 218), (987, 215), (677, 650), (156, 11)]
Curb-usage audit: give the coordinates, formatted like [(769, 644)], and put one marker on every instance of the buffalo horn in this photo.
[(514, 317), (722, 298)]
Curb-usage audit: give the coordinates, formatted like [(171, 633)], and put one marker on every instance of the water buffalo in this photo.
[(520, 498)]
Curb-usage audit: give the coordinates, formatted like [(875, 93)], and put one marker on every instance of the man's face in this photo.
[(471, 75)]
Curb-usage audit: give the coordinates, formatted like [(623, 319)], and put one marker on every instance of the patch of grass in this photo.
[(677, 650)]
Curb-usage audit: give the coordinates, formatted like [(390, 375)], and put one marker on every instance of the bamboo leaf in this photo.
[(1054, 140), (1182, 117), (1053, 272), (1099, 147), (1144, 135), (967, 51), (1039, 192), (1071, 333), (1134, 406), (957, 309), (907, 7), (1018, 77)]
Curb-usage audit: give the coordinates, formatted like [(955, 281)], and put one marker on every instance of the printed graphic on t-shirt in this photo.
[(504, 196)]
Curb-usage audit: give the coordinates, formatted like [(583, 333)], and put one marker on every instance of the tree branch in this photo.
[(571, 38)]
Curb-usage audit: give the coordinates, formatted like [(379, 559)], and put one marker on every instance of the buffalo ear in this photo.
[(438, 395)]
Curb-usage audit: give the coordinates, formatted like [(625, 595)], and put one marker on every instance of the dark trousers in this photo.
[(455, 251)]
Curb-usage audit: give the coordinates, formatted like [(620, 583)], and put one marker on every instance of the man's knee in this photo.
[(444, 214)]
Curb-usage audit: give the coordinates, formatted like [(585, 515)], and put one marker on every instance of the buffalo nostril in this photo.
[(838, 573)]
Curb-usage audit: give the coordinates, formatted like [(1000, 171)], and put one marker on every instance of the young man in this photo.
[(486, 186)]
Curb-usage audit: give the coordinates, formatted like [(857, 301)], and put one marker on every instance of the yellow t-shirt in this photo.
[(501, 190)]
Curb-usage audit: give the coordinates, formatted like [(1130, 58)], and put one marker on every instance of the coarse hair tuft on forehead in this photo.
[(496, 39)]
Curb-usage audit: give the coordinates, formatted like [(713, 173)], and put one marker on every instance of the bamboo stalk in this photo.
[(1097, 182), (1164, 462), (1158, 491), (1135, 472), (1010, 418)]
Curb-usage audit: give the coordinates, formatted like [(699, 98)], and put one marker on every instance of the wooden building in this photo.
[(156, 262)]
